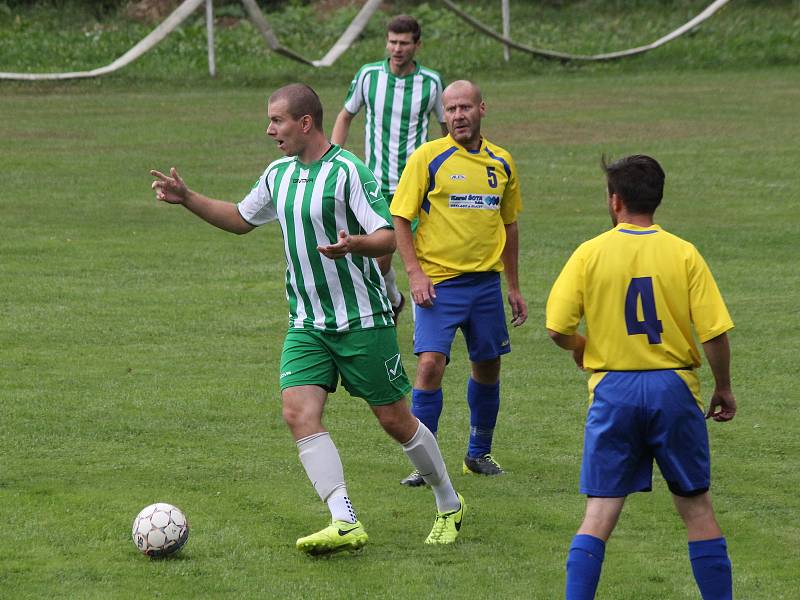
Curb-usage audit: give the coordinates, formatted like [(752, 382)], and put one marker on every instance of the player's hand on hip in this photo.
[(519, 310), (169, 188), (722, 406), (338, 250), (422, 290), (578, 350)]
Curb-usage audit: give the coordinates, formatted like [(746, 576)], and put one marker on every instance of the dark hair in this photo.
[(405, 24), (638, 180), (301, 100)]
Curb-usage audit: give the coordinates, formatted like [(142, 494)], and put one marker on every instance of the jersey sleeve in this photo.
[(412, 187), (565, 302), (355, 94), (512, 199), (366, 200), (257, 208), (438, 107), (710, 316)]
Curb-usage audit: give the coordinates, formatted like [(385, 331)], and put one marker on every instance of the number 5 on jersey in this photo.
[(641, 290), (491, 176)]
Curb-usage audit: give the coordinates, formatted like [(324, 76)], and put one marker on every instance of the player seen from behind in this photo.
[(641, 292)]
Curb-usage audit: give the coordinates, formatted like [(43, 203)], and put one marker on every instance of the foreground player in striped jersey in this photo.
[(641, 291), (334, 221), (400, 96)]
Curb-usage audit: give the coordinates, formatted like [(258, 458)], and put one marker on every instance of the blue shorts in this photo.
[(638, 416), (472, 302)]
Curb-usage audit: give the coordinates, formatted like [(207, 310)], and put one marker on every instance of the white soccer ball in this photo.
[(160, 529)]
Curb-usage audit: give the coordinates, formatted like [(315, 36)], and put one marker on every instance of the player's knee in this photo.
[(694, 507), (430, 370), (294, 416), (486, 372), (400, 425)]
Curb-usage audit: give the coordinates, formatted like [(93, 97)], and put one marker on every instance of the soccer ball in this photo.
[(160, 529)]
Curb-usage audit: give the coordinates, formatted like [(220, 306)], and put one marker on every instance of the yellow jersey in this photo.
[(640, 289), (463, 201)]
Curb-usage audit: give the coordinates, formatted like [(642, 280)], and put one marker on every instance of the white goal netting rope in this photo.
[(180, 14), (552, 54)]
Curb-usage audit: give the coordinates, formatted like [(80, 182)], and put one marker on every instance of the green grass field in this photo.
[(139, 349)]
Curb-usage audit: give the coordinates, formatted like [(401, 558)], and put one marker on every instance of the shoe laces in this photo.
[(440, 525)]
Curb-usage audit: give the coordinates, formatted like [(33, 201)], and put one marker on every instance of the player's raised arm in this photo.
[(172, 189)]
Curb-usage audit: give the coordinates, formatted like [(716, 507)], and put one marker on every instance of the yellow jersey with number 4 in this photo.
[(463, 200), (641, 290)]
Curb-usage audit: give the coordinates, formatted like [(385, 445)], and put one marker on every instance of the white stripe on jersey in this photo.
[(280, 196), (377, 129), (302, 250), (329, 266), (362, 296), (394, 131), (413, 122)]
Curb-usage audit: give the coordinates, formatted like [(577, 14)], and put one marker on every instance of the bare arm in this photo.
[(723, 404), (171, 189), (420, 285), (341, 127), (373, 245), (576, 343), (519, 310)]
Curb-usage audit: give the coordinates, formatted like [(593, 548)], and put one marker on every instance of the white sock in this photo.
[(341, 508), (323, 466), (423, 452), (391, 287)]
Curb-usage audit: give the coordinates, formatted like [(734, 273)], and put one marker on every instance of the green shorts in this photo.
[(368, 361)]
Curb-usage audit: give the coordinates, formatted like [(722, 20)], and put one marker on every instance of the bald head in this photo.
[(463, 111), (301, 100), (462, 87)]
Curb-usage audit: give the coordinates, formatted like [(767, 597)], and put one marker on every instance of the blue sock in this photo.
[(484, 404), (712, 568), (426, 405), (584, 563)]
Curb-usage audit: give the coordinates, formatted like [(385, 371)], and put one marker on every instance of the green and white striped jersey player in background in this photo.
[(399, 96), (335, 222)]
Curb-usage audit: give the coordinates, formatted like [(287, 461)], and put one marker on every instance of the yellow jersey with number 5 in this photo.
[(463, 200), (641, 291)]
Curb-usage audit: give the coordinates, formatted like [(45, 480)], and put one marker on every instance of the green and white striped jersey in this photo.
[(313, 203), (398, 113)]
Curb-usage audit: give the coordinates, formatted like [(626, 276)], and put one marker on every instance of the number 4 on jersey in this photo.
[(641, 288)]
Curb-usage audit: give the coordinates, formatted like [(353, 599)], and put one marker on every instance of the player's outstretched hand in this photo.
[(519, 310), (338, 250), (722, 406), (422, 290), (169, 188)]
